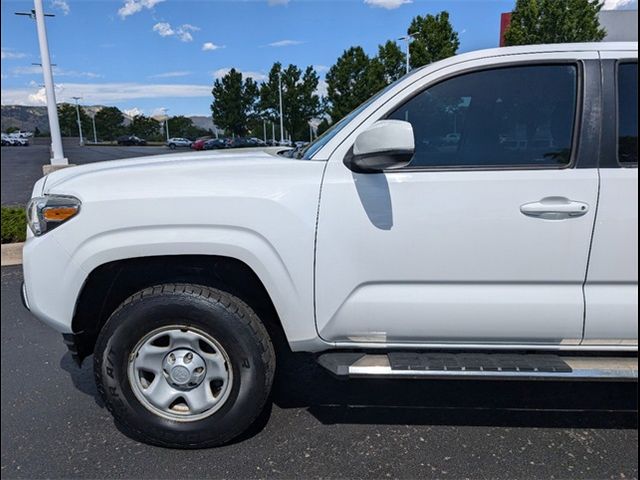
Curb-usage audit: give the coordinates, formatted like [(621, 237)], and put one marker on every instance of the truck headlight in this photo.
[(46, 213)]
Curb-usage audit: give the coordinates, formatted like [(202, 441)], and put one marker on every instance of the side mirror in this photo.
[(385, 145)]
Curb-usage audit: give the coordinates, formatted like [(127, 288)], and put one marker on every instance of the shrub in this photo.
[(14, 224)]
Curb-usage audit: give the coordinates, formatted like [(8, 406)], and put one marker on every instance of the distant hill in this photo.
[(29, 118), (24, 118)]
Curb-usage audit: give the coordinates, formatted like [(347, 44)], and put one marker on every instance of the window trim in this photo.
[(616, 86), (579, 65)]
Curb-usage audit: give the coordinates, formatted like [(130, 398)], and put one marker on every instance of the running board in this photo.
[(479, 366)]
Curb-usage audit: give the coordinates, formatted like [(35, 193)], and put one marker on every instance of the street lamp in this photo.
[(166, 122), (407, 38), (57, 152), (93, 121), (281, 118), (78, 117)]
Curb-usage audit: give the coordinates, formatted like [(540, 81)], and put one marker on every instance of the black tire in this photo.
[(226, 318), (172, 146)]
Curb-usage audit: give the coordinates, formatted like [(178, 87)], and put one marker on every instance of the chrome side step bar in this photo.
[(479, 366)]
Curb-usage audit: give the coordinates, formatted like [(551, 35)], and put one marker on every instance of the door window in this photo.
[(628, 113), (505, 117)]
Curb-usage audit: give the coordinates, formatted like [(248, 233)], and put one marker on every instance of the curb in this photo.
[(12, 254)]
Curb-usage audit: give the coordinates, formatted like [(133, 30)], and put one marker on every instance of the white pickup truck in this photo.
[(476, 219)]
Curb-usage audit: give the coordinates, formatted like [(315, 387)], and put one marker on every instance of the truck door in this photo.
[(484, 238)]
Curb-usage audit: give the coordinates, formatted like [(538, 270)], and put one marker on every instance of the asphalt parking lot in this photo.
[(22, 166), (55, 426)]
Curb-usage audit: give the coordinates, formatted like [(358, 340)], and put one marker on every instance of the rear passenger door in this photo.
[(611, 290)]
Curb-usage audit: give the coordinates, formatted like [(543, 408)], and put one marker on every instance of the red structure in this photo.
[(505, 21)]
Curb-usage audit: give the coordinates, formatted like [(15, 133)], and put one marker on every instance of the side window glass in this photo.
[(504, 117), (628, 113)]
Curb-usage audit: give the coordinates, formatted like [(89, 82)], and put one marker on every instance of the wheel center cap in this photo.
[(184, 368), (180, 375)]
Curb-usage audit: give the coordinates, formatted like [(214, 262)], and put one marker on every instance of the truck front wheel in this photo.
[(184, 366)]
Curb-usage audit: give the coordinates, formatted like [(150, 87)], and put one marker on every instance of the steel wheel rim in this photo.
[(165, 376)]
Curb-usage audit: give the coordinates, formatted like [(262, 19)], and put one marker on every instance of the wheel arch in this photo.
[(111, 283)]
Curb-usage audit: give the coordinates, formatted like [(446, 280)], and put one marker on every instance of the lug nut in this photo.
[(188, 357)]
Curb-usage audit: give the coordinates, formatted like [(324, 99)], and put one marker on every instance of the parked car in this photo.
[(241, 142), (177, 142), (199, 143), (214, 144), (417, 261), (131, 140), (15, 140)]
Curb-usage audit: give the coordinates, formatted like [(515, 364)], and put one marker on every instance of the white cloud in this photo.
[(9, 54), (619, 4), (58, 72), (285, 43), (321, 68), (181, 73), (210, 46), (183, 32), (61, 5), (164, 29), (159, 113), (256, 76), (104, 93), (387, 4), (273, 3), (131, 7), (322, 88), (133, 112)]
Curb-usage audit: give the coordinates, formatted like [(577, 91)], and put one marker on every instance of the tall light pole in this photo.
[(281, 117), (273, 132), (166, 122), (407, 38), (93, 121), (264, 130), (78, 117), (57, 153)]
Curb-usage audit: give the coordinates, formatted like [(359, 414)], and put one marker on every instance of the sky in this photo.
[(147, 55)]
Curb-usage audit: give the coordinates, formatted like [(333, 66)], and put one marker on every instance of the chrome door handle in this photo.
[(555, 208)]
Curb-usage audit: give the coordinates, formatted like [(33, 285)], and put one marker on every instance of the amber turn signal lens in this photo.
[(59, 214)]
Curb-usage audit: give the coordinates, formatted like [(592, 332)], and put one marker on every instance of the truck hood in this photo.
[(154, 163)]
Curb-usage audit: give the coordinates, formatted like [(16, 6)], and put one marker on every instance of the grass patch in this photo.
[(14, 224)]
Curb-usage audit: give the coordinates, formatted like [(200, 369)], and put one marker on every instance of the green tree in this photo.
[(145, 127), (323, 126), (234, 102), (300, 100), (554, 21), (181, 126), (68, 119), (349, 82), (393, 61), (433, 39), (109, 123)]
